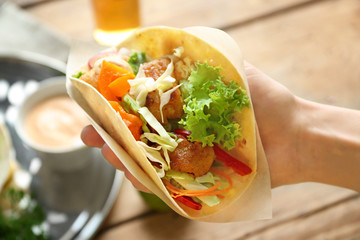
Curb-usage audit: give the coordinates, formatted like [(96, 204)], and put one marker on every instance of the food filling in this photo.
[(181, 114)]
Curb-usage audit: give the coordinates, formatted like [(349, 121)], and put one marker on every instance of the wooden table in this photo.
[(312, 47)]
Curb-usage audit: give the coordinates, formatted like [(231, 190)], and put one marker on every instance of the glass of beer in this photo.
[(115, 20)]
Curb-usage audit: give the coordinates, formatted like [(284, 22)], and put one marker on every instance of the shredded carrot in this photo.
[(221, 173), (225, 176), (175, 192), (173, 195), (190, 193)]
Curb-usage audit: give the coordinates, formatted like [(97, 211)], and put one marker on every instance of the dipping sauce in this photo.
[(55, 122)]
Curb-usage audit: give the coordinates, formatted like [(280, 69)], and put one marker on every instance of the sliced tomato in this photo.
[(182, 132), (189, 202), (238, 166)]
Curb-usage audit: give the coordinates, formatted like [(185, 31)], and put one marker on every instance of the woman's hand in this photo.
[(91, 138), (277, 116)]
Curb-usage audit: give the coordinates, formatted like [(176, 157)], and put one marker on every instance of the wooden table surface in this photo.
[(310, 46)]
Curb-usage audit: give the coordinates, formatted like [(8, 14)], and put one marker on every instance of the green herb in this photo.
[(130, 104), (19, 224), (135, 60), (77, 75), (210, 105)]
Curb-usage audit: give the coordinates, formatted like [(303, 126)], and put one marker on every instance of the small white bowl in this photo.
[(58, 158)]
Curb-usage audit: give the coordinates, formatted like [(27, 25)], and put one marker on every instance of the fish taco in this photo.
[(176, 110)]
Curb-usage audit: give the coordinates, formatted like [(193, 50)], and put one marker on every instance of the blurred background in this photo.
[(310, 46)]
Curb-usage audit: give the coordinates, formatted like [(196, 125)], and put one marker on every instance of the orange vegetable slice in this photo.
[(133, 122), (120, 86), (108, 73)]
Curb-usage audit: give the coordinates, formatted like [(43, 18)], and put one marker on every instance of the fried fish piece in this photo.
[(192, 157), (174, 108), (155, 68)]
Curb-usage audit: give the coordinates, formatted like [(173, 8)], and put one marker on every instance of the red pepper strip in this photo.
[(232, 162), (188, 201), (182, 132)]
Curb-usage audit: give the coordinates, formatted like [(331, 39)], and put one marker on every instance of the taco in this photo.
[(180, 109)]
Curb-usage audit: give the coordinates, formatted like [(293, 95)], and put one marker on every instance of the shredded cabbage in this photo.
[(163, 142), (155, 138), (129, 102), (155, 156), (207, 178), (178, 51), (165, 81), (154, 123), (142, 85), (190, 183), (165, 98)]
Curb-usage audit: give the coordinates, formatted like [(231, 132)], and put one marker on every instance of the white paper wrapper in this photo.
[(252, 198)]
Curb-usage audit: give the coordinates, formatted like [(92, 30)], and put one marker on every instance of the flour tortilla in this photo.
[(199, 44)]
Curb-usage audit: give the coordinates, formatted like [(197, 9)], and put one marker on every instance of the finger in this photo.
[(110, 156), (136, 183), (115, 161), (247, 64), (91, 138), (252, 73)]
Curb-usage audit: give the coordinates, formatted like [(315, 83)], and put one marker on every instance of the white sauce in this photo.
[(55, 122)]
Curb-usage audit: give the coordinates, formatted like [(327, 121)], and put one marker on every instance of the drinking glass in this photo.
[(115, 20)]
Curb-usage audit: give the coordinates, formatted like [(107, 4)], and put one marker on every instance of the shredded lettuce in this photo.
[(154, 155), (165, 81), (155, 124), (165, 98), (210, 105), (207, 178), (130, 103), (178, 51), (142, 85), (163, 141)]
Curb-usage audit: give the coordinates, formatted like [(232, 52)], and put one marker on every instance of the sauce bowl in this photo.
[(45, 123)]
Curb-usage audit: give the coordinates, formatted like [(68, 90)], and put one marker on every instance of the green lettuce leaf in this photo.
[(136, 59), (210, 105)]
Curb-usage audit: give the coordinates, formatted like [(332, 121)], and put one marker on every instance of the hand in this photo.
[(91, 138), (304, 140), (276, 112)]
